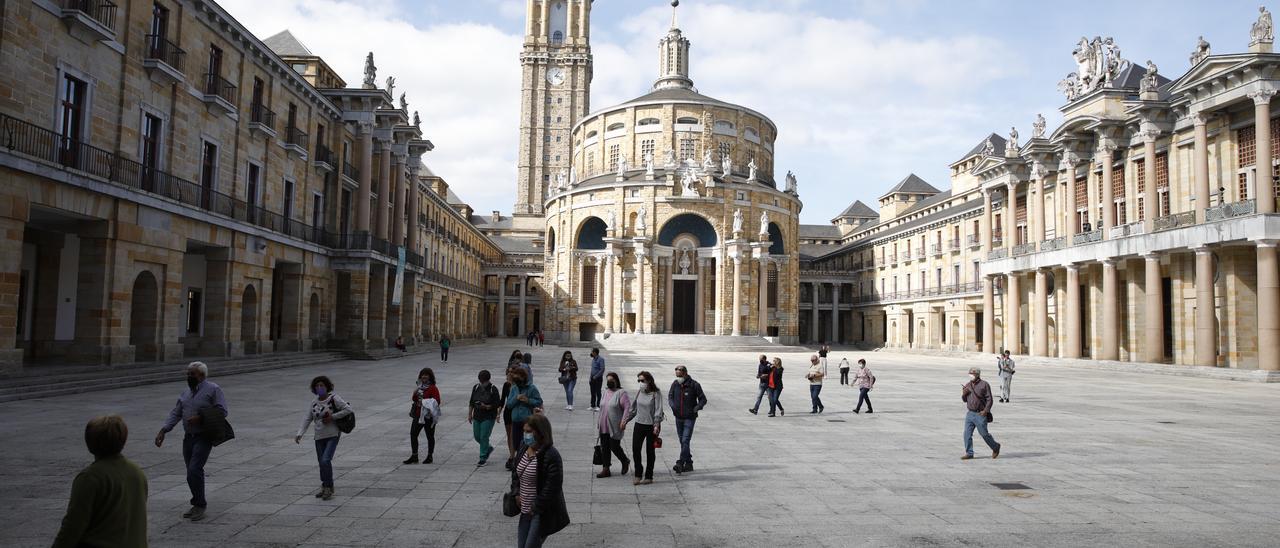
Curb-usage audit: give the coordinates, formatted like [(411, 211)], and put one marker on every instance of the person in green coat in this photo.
[(108, 505), (444, 348)]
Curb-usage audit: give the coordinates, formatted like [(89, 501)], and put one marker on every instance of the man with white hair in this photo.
[(200, 394), (976, 395)]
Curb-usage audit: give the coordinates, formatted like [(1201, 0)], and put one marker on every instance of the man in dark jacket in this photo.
[(685, 399), (762, 375), (976, 395)]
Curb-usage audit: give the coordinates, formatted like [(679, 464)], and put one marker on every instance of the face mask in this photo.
[(613, 385), (528, 438), (320, 391), (192, 381), (972, 377)]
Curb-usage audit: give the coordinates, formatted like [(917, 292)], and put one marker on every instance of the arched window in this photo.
[(724, 125), (559, 22), (591, 235), (557, 38), (615, 126), (551, 239), (690, 224), (687, 120), (752, 135), (591, 134), (649, 122), (776, 246)]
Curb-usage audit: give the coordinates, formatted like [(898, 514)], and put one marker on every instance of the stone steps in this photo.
[(50, 382)]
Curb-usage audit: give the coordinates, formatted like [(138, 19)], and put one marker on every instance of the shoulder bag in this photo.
[(510, 507), (345, 424)]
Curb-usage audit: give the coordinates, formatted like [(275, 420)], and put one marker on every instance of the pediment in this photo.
[(1213, 67)]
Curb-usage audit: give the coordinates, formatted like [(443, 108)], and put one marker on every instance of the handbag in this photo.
[(657, 442), (597, 456), (564, 378), (510, 507), (345, 424)]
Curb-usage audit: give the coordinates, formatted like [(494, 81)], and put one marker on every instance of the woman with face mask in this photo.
[(424, 411), (614, 406), (522, 399), (324, 412), (538, 480), (568, 377), (646, 410)]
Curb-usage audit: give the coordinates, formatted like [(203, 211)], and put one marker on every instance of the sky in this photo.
[(864, 92)]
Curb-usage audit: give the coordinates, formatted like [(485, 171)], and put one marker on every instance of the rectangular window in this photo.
[(686, 149), (251, 185), (288, 199), (773, 289), (159, 30), (194, 315), (589, 279), (1117, 193), (938, 281), (72, 112), (1246, 146), (955, 275), (344, 214), (646, 148), (317, 211), (208, 173), (293, 117), (152, 126), (725, 149), (215, 60), (614, 151)]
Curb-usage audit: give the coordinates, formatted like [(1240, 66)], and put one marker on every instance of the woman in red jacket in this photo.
[(424, 414)]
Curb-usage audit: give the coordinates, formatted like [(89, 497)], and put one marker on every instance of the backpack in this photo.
[(345, 424)]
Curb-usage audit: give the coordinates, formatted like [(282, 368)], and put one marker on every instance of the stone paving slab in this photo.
[(1110, 457)]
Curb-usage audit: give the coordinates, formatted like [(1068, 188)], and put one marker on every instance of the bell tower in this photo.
[(555, 93)]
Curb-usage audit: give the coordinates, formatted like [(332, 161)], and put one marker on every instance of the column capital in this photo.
[(1262, 96), (1109, 261), (1039, 171), (1151, 256), (1068, 161), (1202, 250), (1072, 267), (1149, 133), (1199, 118), (1266, 243)]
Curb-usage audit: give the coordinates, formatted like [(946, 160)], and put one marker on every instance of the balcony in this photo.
[(295, 141), (1129, 229), (163, 60), (1054, 244), (943, 291), (906, 256), (219, 94), (323, 159), (997, 241), (1087, 237), (936, 249), (920, 253), (90, 21), (998, 253), (974, 241), (1227, 211), (954, 245), (351, 172), (1177, 220), (1024, 249), (262, 120)]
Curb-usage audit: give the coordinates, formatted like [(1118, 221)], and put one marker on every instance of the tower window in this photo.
[(613, 157), (646, 148), (557, 38), (686, 149)]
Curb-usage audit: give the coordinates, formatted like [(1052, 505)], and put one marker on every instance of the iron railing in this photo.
[(260, 114), (1227, 211), (161, 49), (101, 11), (295, 136), (942, 291), (351, 171), (323, 155), (1177, 220), (219, 87), (936, 249), (974, 241), (955, 244), (1087, 237)]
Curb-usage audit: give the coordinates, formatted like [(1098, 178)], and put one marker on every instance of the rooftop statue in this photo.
[(370, 72), (1262, 30), (1201, 52), (391, 86), (1149, 80), (1037, 127)]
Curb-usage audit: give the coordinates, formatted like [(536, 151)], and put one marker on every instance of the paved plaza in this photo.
[(1107, 458)]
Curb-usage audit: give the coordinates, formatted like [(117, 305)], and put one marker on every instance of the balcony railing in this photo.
[(1128, 229), (1170, 222), (1227, 211), (350, 171), (936, 249), (1087, 237), (220, 87), (997, 241), (998, 253), (260, 114), (165, 51), (974, 241), (323, 156), (906, 255), (919, 252), (296, 137), (1024, 249), (943, 291), (102, 11), (1054, 244), (954, 245)]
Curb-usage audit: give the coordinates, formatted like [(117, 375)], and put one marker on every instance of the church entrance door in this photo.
[(682, 305)]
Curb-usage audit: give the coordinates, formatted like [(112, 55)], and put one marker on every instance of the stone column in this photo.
[(366, 178), (1153, 310), (1108, 193), (835, 313), (639, 287), (382, 221), (762, 316), (1206, 351), (669, 300), (813, 318), (699, 319), (1110, 308), (1011, 216), (1201, 171), (989, 315), (1268, 306), (1067, 181), (502, 306), (1040, 322), (987, 216), (1265, 185), (737, 297), (1013, 312), (1039, 219), (1072, 327), (411, 238), (1150, 198), (524, 283), (397, 201)]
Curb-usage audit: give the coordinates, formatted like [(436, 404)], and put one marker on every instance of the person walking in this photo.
[(522, 400), (646, 410), (526, 364), (976, 395), (762, 376), (1006, 375), (686, 399), (822, 353), (324, 411), (844, 371), (864, 381), (506, 418), (817, 372), (108, 505), (615, 405), (538, 482), (568, 377), (482, 411), (424, 410), (530, 338), (445, 343), (775, 388), (517, 356), (597, 377), (201, 394), (542, 338)]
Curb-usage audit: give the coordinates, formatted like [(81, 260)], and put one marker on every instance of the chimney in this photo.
[(497, 216)]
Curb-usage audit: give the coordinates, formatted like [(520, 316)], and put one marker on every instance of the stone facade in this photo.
[(1137, 230), (175, 187)]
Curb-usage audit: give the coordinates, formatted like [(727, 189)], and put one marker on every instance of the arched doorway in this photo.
[(685, 234), (144, 317), (249, 320), (313, 317)]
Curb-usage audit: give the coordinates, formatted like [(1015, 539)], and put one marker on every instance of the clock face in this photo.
[(555, 76)]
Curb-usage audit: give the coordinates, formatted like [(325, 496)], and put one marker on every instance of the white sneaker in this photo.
[(568, 408)]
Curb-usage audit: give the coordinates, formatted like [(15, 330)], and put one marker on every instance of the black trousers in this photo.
[(612, 446), (417, 428), (444, 354), (643, 434), (862, 396), (595, 391), (844, 375)]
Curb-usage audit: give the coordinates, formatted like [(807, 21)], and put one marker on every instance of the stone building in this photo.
[(1137, 230), (173, 186)]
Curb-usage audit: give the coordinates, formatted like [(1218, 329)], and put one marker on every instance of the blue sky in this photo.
[(864, 92)]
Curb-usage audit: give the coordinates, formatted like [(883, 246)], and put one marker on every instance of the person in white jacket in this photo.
[(817, 372), (324, 412)]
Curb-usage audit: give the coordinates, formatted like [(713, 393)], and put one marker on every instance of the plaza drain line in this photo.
[(1011, 486)]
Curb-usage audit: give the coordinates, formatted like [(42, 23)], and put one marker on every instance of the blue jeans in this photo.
[(684, 429), (528, 535), (973, 420), (774, 404), (862, 397), (481, 429), (764, 389), (814, 390), (324, 453), (568, 390), (195, 453)]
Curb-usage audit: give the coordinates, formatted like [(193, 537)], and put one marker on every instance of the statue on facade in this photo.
[(1070, 86), (791, 182), (1201, 51), (562, 178), (1149, 81), (370, 72), (404, 103), (391, 86), (573, 178), (1037, 127), (417, 122), (648, 164), (685, 260), (1262, 30), (764, 222), (641, 224), (707, 163), (751, 170), (687, 182), (988, 148), (726, 165), (1098, 64), (1011, 146), (1114, 61), (670, 162), (622, 165), (613, 220), (737, 221)]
